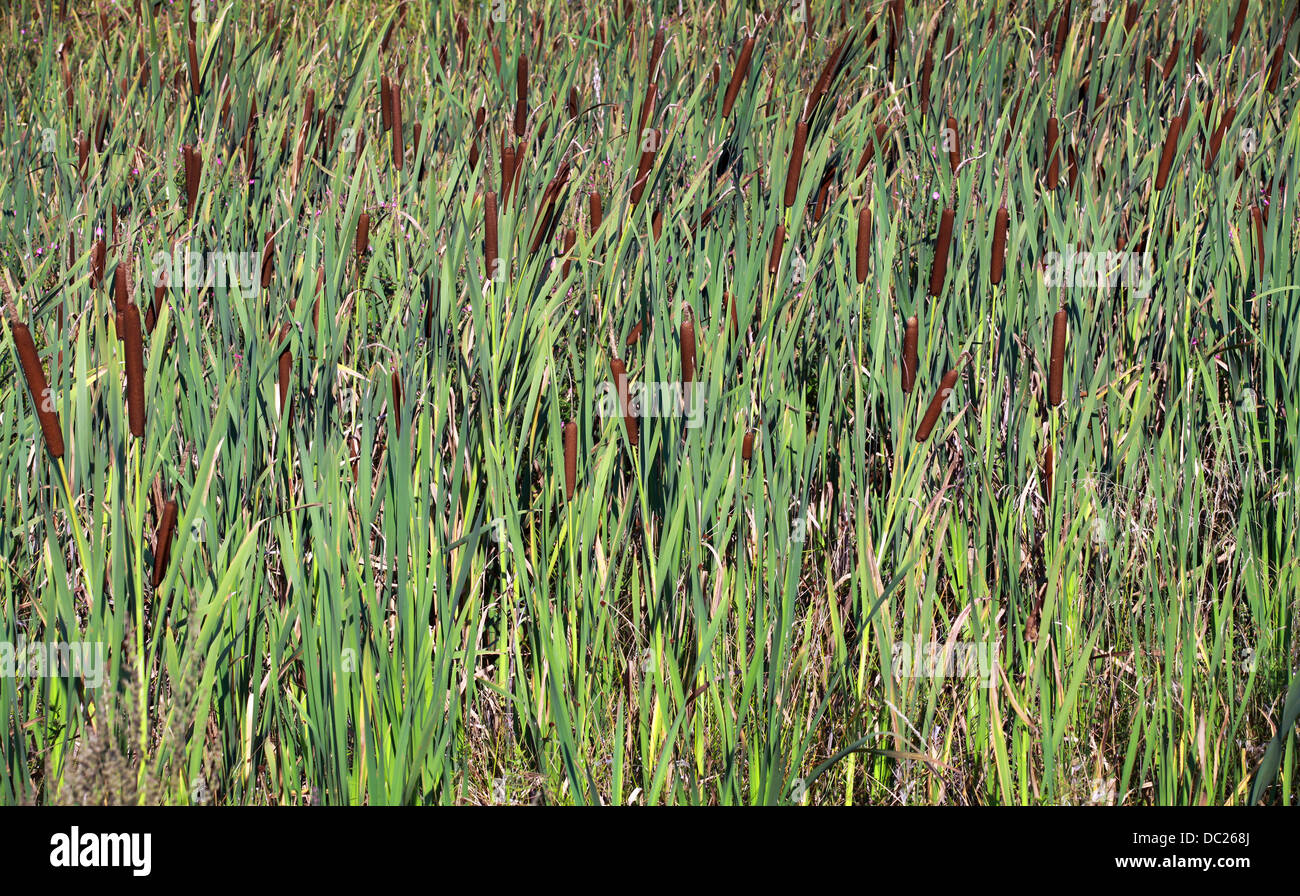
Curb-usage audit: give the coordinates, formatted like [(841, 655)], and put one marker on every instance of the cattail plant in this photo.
[(643, 171), (1167, 157), (1274, 68), (507, 170), (942, 247), (570, 241), (1237, 25), (1048, 472), (864, 243), (795, 167), (999, 260), (98, 252), (1056, 369), (570, 458), (575, 102), (595, 211), (686, 340), (927, 70), (657, 224), (399, 150), (1171, 60), (521, 95), (747, 447), (619, 370), (121, 295), (647, 110), (385, 102), (362, 245), (910, 359), (196, 83), (946, 385), (285, 370), (1062, 32), (954, 144), (1216, 139), (1053, 159), (268, 260), (134, 351), (162, 551), (491, 258), (39, 388), (778, 243), (396, 404), (738, 75)]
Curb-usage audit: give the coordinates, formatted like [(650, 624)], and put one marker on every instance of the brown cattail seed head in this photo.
[(939, 269), (910, 334), (864, 243), (39, 387), (1056, 372), (946, 385), (738, 75), (570, 458), (134, 351), (796, 163), (999, 260), (162, 551), (687, 340)]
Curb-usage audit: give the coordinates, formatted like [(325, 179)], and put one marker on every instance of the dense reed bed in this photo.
[(600, 405)]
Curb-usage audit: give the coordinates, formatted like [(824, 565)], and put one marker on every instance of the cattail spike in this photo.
[(999, 247), (942, 248), (570, 458), (946, 385), (134, 351), (863, 243), (1056, 370), (39, 388), (162, 551), (910, 359)]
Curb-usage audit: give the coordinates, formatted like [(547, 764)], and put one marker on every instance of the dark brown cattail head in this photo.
[(747, 447), (942, 248), (595, 211), (39, 388), (647, 111), (735, 320), (363, 237), (656, 53), (570, 241), (193, 173), (286, 374), (910, 359), (507, 170), (1062, 31), (1053, 157), (999, 260), (491, 256), (1198, 45), (619, 370), (162, 551), (864, 243), (1216, 139), (98, 253), (397, 400), (1167, 157), (796, 163), (570, 458), (643, 172), (869, 151), (778, 243), (1237, 25), (575, 102), (927, 70), (134, 351), (385, 102), (687, 341), (738, 75), (268, 260), (954, 144), (1056, 370), (1048, 472), (657, 224), (121, 292), (196, 82), (1171, 60), (946, 386), (399, 148)]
